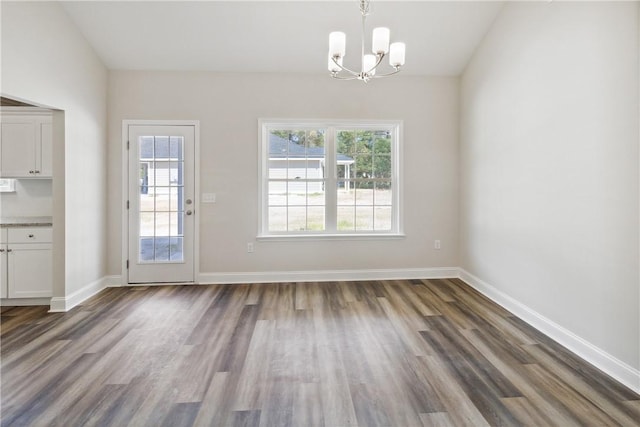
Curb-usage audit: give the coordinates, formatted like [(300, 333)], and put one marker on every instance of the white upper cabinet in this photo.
[(26, 144)]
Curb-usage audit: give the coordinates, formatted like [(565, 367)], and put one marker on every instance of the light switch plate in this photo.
[(208, 197)]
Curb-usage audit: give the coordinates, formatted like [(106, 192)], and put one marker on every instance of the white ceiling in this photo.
[(276, 36)]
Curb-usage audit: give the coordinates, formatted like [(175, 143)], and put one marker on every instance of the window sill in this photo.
[(298, 237)]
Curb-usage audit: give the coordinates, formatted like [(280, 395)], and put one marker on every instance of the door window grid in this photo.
[(161, 203)]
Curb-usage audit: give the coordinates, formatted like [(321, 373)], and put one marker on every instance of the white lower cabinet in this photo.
[(26, 264)]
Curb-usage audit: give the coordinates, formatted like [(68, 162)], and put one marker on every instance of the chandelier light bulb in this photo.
[(368, 64), (396, 55), (380, 43), (337, 43)]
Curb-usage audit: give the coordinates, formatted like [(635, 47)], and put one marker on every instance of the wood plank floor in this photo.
[(377, 353)]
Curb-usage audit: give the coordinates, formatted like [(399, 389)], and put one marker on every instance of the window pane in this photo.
[(162, 173), (147, 224), (277, 219), (382, 142), (382, 166), (364, 193), (363, 167), (297, 219), (315, 193), (161, 147), (162, 249), (364, 218), (146, 250), (162, 224), (345, 186), (382, 195), (277, 192), (382, 220), (364, 141), (277, 168), (176, 198), (176, 173), (346, 218), (176, 249), (147, 201), (176, 148), (146, 147), (346, 193), (346, 143), (315, 218), (174, 217), (296, 187)]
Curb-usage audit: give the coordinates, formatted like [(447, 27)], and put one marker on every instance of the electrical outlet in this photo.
[(436, 245), (250, 247)]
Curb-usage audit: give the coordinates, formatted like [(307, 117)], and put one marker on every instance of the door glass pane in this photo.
[(161, 203)]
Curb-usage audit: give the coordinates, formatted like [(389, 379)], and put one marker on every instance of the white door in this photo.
[(161, 203)]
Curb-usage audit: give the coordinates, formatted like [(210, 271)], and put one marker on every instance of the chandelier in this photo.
[(369, 63)]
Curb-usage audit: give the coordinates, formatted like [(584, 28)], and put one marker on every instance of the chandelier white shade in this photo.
[(380, 47)]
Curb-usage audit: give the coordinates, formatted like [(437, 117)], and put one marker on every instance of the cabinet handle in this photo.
[(31, 172), (1, 250), (31, 236), (37, 171), (9, 250)]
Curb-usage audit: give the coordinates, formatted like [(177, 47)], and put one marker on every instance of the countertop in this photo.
[(26, 221)]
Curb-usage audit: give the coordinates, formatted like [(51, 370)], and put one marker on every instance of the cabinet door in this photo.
[(29, 270), (45, 169), (17, 148), (3, 271)]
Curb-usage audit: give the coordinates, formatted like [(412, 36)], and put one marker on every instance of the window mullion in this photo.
[(331, 187)]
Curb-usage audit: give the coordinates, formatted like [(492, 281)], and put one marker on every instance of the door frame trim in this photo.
[(125, 190)]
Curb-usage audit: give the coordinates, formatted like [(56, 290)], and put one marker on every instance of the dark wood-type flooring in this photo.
[(377, 353)]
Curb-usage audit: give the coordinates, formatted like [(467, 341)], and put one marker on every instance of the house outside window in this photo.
[(329, 178)]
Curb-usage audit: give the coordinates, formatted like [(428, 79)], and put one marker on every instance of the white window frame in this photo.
[(330, 232)]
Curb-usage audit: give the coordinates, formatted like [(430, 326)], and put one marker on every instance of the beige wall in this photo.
[(47, 61), (549, 167), (228, 107)]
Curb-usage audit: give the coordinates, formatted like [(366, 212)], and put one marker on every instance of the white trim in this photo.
[(63, 304), (21, 302), (114, 281), (327, 275), (602, 360)]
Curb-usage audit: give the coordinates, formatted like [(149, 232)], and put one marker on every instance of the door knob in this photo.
[(188, 212)]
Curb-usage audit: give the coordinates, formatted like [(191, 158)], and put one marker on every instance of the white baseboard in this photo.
[(326, 276), (114, 281), (22, 302), (62, 304), (602, 360)]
